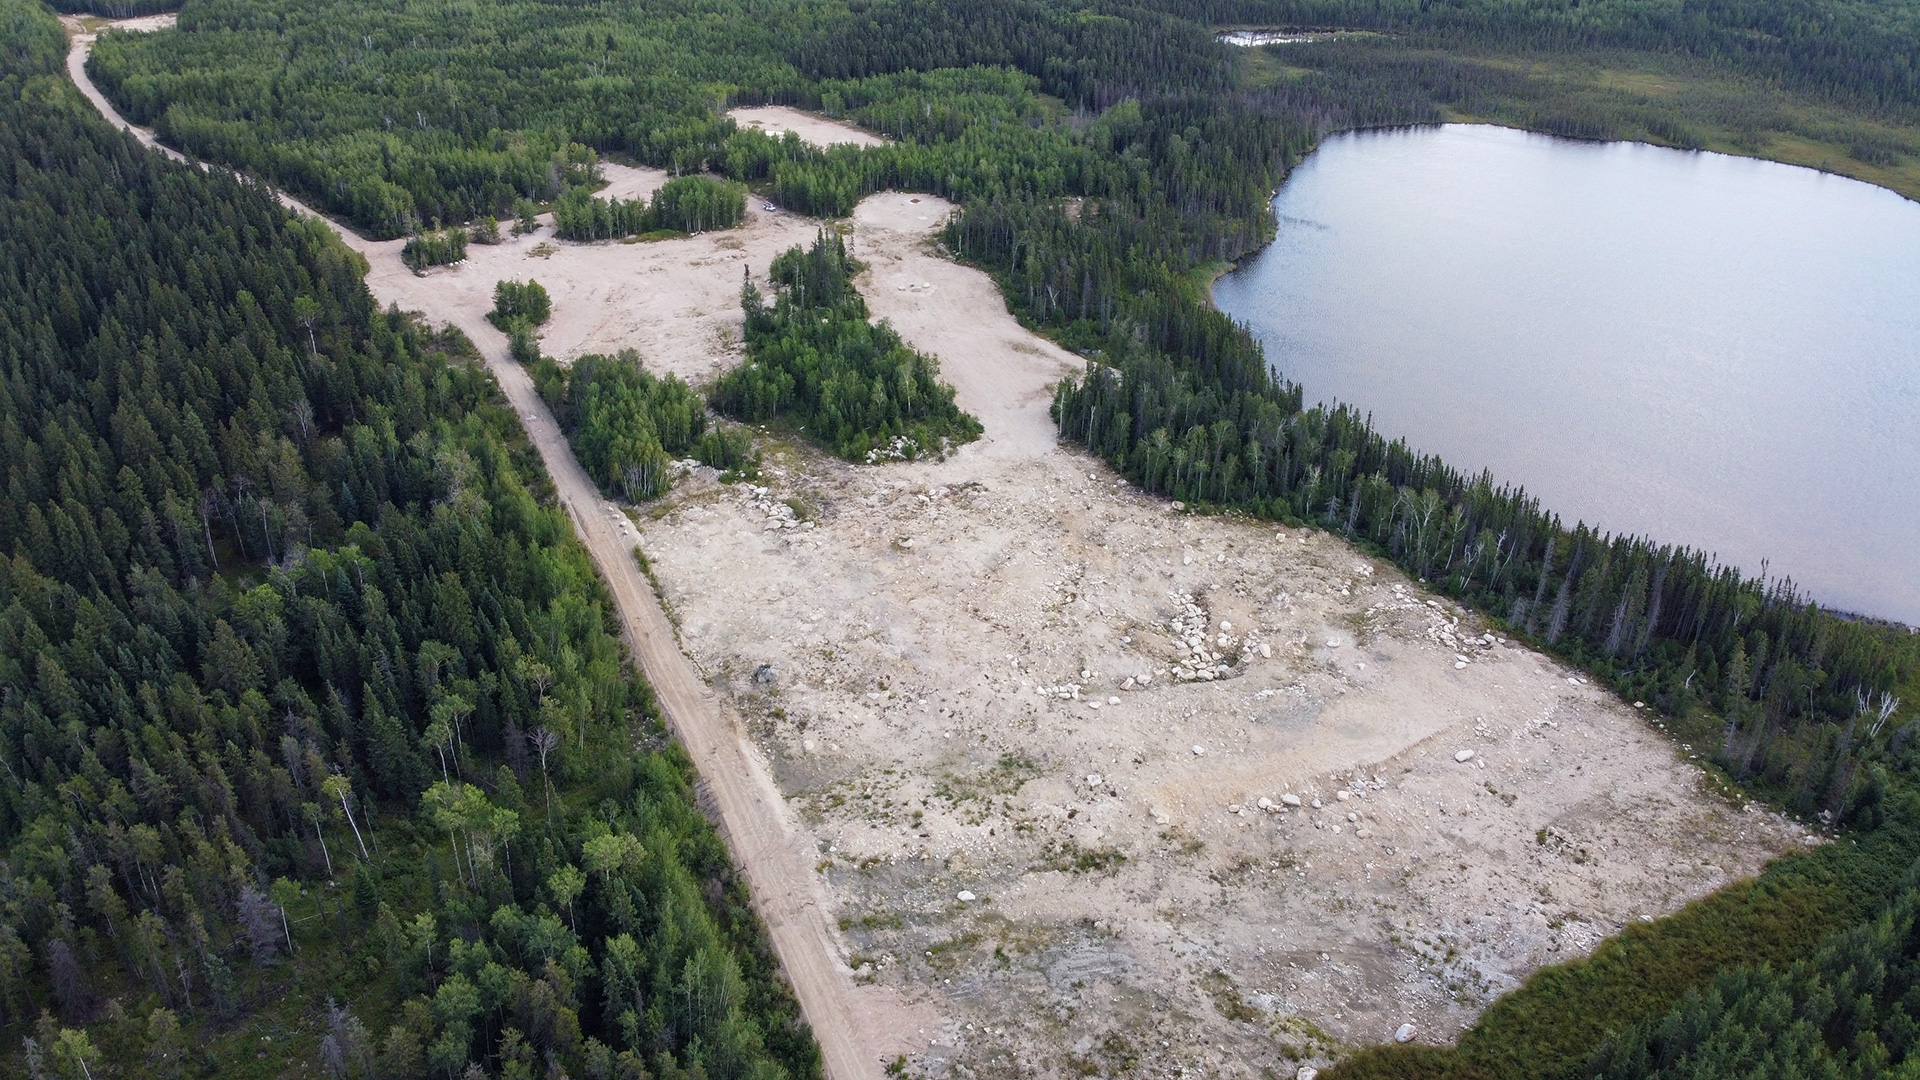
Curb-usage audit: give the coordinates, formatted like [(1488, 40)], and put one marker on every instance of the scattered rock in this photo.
[(1290, 799), (1343, 795), (765, 675), (1306, 1072), (1093, 779), (1113, 701), (1463, 756), (1404, 1033), (1265, 803), (1199, 751), (966, 897)]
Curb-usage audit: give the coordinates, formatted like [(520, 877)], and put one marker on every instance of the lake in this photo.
[(1704, 349)]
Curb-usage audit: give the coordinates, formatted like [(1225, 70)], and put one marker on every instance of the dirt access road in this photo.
[(768, 848)]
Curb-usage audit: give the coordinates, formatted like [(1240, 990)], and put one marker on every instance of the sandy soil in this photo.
[(990, 736), (818, 130), (948, 666), (629, 182), (1002, 374), (676, 301)]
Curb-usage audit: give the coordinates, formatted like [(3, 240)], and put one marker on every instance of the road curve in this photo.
[(771, 851)]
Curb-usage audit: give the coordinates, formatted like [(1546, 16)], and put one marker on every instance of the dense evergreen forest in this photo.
[(398, 116), (317, 745), (816, 363)]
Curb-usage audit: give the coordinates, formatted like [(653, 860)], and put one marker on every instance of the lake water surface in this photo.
[(1704, 349)]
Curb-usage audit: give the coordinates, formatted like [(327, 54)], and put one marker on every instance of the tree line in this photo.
[(684, 204), (1861, 54)]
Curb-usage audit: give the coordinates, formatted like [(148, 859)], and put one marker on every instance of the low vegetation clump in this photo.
[(628, 426), (436, 248), (686, 204), (815, 362), (319, 746)]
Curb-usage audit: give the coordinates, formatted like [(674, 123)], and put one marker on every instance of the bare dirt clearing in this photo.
[(1101, 783), (629, 182), (967, 676), (677, 301), (1001, 373), (1086, 784), (818, 130)]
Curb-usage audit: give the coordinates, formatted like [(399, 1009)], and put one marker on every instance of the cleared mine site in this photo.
[(1092, 779), (1093, 783), (1047, 734), (1075, 839)]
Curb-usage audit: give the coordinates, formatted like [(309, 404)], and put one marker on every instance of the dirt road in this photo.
[(769, 849)]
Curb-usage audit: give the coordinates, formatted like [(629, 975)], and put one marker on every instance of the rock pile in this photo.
[(1201, 651), (778, 514), (1065, 691)]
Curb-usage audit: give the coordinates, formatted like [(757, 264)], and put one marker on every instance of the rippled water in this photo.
[(1705, 349)]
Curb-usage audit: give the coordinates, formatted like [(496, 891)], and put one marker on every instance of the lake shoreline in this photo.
[(1524, 377)]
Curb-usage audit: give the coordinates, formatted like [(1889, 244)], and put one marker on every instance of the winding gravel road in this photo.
[(771, 851)]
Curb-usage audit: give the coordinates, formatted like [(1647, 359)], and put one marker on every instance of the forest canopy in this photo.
[(306, 687)]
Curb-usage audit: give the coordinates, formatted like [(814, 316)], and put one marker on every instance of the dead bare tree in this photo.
[(545, 741)]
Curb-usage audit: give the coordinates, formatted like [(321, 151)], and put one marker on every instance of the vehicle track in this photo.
[(769, 848)]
